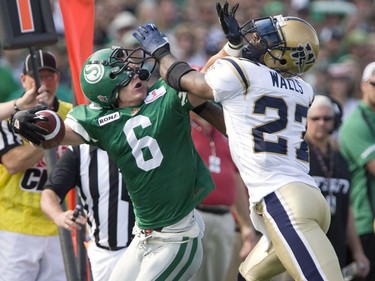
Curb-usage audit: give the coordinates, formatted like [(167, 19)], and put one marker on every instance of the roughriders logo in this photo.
[(102, 98), (303, 57), (93, 73)]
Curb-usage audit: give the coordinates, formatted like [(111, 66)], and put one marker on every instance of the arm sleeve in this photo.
[(227, 77), (73, 123), (65, 175)]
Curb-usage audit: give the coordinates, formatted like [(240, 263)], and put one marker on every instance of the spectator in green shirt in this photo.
[(357, 144)]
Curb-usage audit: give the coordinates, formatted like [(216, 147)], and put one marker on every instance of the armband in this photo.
[(175, 72), (233, 51)]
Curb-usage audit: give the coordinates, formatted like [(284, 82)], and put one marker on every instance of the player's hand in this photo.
[(229, 23), (152, 40), (22, 122)]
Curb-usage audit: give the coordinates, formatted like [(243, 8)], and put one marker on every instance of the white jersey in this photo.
[(265, 116)]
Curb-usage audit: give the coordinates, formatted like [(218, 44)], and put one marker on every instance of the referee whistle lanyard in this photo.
[(214, 162), (328, 171)]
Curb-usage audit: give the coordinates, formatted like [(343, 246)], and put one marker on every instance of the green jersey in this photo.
[(357, 144), (152, 146)]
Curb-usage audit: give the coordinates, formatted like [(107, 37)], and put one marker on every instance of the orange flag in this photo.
[(78, 17)]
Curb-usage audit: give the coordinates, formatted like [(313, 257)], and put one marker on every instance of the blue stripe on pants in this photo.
[(302, 255)]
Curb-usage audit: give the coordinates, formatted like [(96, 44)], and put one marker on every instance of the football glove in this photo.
[(22, 123), (152, 40), (229, 23)]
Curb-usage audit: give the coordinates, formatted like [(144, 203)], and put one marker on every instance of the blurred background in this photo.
[(346, 30)]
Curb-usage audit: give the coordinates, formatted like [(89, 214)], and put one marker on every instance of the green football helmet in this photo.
[(107, 71)]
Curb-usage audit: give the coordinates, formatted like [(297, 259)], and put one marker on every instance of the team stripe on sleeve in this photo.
[(239, 72)]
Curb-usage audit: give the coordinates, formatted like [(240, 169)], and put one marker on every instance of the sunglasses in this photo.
[(325, 118)]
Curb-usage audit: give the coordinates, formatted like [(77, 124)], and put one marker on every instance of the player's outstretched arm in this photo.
[(71, 137), (22, 122), (171, 69), (231, 28), (179, 74), (213, 114)]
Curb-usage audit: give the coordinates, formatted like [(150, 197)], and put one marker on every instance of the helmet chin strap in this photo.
[(252, 53)]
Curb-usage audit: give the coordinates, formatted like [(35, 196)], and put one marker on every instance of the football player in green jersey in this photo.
[(146, 131)]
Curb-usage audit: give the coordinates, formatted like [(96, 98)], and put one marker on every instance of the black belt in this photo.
[(217, 210)]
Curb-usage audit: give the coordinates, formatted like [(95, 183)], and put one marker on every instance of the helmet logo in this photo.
[(103, 99), (303, 57), (93, 73)]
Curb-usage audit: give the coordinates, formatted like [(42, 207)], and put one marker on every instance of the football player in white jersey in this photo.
[(265, 105)]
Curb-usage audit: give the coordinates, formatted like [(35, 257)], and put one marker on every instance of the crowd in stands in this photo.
[(346, 31)]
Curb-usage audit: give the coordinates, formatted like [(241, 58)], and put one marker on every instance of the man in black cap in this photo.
[(48, 74), (45, 61), (29, 242)]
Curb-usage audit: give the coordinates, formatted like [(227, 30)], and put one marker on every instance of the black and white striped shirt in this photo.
[(102, 191)]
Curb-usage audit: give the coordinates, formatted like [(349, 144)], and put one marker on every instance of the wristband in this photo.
[(233, 50), (161, 52), (15, 106)]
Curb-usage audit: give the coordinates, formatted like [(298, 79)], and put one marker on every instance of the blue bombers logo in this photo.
[(93, 73), (303, 57)]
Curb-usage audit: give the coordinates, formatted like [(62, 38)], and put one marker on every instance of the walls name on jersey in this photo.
[(155, 94), (108, 118), (287, 84)]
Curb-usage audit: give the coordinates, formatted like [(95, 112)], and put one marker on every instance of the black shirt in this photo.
[(333, 178)]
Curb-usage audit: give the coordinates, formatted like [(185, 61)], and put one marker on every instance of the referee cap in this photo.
[(44, 59)]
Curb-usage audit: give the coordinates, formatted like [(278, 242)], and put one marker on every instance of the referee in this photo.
[(108, 210)]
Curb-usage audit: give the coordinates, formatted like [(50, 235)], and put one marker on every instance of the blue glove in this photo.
[(152, 40), (22, 122)]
